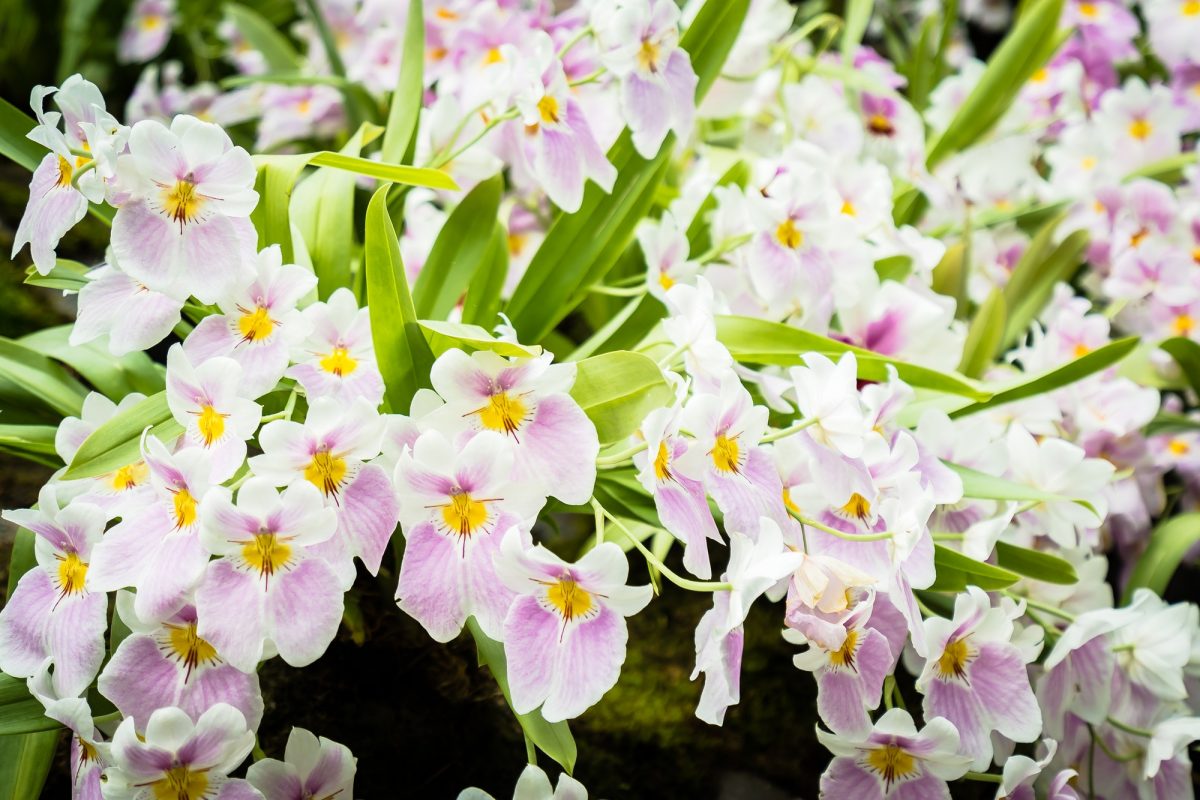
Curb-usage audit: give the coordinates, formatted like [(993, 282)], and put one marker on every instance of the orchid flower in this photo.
[(311, 768), (337, 359)]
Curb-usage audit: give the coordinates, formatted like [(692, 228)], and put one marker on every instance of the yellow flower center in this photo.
[(1140, 129), (788, 502), (892, 763), (1088, 163), (65, 171), (267, 553), (1179, 447), (304, 106), (1183, 325), (185, 509), (493, 56), (502, 413), (662, 463), (725, 453), (953, 661), (1040, 76), (1081, 350), (1191, 8), (857, 507), (844, 658), (569, 598), (211, 424), (446, 14), (848, 209), (180, 783), (71, 573), (1139, 237), (648, 55), (189, 649), (665, 281), (151, 22), (464, 514), (548, 109), (255, 325), (339, 362), (1196, 252), (182, 202), (880, 125), (1088, 10), (326, 471), (788, 235), (87, 751), (516, 243), (129, 476)]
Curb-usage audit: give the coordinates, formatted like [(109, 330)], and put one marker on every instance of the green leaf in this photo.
[(21, 560), (1169, 542), (1035, 564), (1089, 364), (404, 356), (1187, 355), (407, 98), (1026, 49), (15, 124), (617, 390), (984, 336), (67, 275), (277, 177), (20, 712), (117, 442), (1165, 422), (265, 38), (552, 738), (460, 251), (581, 248), (77, 31), (482, 305), (1168, 170), (982, 486), (757, 341), (955, 572), (858, 14), (443, 336), (1039, 269), (29, 438), (45, 379), (25, 762), (113, 376), (322, 209)]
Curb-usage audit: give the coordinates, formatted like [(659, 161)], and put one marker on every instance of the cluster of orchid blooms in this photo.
[(234, 539)]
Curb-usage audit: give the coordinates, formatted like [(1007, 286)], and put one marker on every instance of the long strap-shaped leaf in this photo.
[(400, 347), (581, 248), (460, 251)]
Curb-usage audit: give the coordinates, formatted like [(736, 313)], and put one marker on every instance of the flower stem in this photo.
[(579, 36), (618, 291), (1046, 607), (775, 436), (619, 459), (442, 160), (1122, 726), (850, 537), (983, 777), (682, 583), (286, 413), (591, 77)]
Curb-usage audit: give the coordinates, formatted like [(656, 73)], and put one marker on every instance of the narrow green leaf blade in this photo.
[(42, 377), (1169, 542), (396, 173), (460, 251), (117, 442), (1035, 564), (405, 109), (20, 712), (15, 124), (955, 572), (1187, 355), (404, 356), (984, 336), (25, 762), (482, 305), (264, 37)]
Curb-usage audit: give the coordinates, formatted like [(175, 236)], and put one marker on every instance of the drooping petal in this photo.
[(229, 603), (304, 609)]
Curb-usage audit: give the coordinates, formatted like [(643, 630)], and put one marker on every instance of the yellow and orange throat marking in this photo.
[(326, 471), (503, 413), (339, 362), (267, 553), (569, 599), (857, 507), (891, 762), (464, 515), (662, 463), (954, 659), (210, 423), (188, 648), (183, 505), (182, 202), (181, 783), (129, 476), (788, 235), (255, 324), (72, 571), (726, 454), (844, 658)]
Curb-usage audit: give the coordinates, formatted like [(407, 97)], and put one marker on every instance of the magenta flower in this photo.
[(894, 761), (181, 759), (565, 633), (267, 585), (792, 215), (52, 614), (187, 217), (639, 42), (259, 323), (679, 500), (975, 674), (168, 664), (157, 548), (311, 768), (455, 507), (338, 358), (328, 451), (556, 146), (208, 401), (526, 400)]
